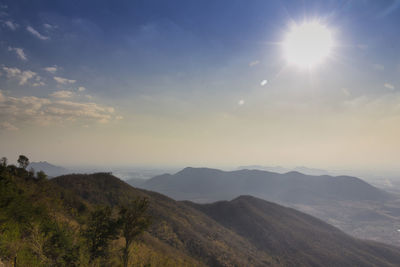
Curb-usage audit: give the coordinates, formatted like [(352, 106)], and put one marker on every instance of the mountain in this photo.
[(207, 185), (135, 181), (279, 169), (348, 203), (50, 169), (304, 240), (243, 232)]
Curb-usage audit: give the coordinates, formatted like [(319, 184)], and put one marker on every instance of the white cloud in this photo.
[(51, 69), (21, 76), (49, 26), (389, 86), (36, 84), (253, 63), (241, 102), (36, 33), (63, 80), (19, 51), (5, 125), (62, 94), (38, 81), (16, 112), (11, 25), (81, 88), (263, 82)]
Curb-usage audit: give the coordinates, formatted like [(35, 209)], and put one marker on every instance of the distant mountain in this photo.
[(50, 169), (136, 182), (208, 185), (279, 169), (243, 232), (346, 202)]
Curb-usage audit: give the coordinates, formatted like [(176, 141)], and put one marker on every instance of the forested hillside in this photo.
[(85, 220)]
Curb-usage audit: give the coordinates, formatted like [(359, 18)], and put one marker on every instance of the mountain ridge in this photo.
[(292, 186), (204, 237)]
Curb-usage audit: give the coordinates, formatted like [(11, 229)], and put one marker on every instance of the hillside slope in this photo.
[(243, 232), (348, 203), (298, 236), (176, 224)]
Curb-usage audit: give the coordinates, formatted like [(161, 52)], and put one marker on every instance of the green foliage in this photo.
[(41, 175), (59, 245), (23, 161), (27, 231), (3, 162), (100, 230), (134, 221)]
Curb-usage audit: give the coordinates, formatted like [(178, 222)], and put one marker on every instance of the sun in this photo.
[(308, 44)]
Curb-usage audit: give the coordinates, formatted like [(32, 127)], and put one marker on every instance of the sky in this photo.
[(199, 83)]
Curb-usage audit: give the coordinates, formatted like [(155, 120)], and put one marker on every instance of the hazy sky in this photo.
[(200, 83)]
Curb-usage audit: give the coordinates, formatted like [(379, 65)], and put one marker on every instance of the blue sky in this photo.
[(176, 81)]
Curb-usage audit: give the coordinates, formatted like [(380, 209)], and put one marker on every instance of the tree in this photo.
[(41, 176), (31, 172), (3, 162), (23, 161), (134, 220), (101, 229)]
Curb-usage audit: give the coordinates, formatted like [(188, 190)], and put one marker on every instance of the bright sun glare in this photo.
[(308, 44)]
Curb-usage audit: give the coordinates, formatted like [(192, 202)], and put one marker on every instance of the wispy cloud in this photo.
[(18, 111), (11, 25), (19, 51), (253, 63), (21, 76), (81, 88), (50, 26), (389, 86), (36, 33), (62, 94), (5, 125), (38, 81), (51, 69), (61, 80)]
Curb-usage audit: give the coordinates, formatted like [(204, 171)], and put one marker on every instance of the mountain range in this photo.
[(245, 231), (208, 185), (346, 202)]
